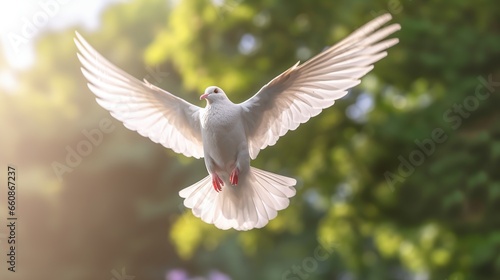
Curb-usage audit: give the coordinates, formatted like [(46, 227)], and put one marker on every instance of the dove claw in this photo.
[(217, 182), (233, 178)]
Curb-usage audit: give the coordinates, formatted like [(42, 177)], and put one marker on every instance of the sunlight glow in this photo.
[(22, 22), (8, 82)]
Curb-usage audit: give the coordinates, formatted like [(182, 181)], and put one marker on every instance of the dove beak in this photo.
[(203, 96)]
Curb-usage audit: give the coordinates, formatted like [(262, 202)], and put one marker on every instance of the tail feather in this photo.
[(273, 197), (251, 204), (192, 193)]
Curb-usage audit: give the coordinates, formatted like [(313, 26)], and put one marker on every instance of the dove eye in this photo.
[(216, 90)]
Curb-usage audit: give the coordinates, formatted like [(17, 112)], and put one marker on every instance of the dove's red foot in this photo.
[(217, 182), (233, 178)]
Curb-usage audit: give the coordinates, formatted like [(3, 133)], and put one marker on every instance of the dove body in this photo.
[(224, 138)]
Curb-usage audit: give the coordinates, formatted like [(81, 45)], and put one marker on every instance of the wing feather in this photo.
[(141, 106), (303, 91)]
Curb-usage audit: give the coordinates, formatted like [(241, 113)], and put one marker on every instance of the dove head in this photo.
[(213, 94)]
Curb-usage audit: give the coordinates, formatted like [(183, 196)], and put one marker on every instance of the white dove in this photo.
[(234, 194)]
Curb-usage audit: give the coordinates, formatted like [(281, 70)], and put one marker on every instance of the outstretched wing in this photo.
[(303, 91), (141, 106)]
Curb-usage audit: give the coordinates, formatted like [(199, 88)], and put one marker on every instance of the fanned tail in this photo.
[(250, 204)]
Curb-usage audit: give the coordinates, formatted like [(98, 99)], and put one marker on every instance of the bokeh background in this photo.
[(371, 204)]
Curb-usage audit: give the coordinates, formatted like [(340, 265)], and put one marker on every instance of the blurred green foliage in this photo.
[(436, 219)]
